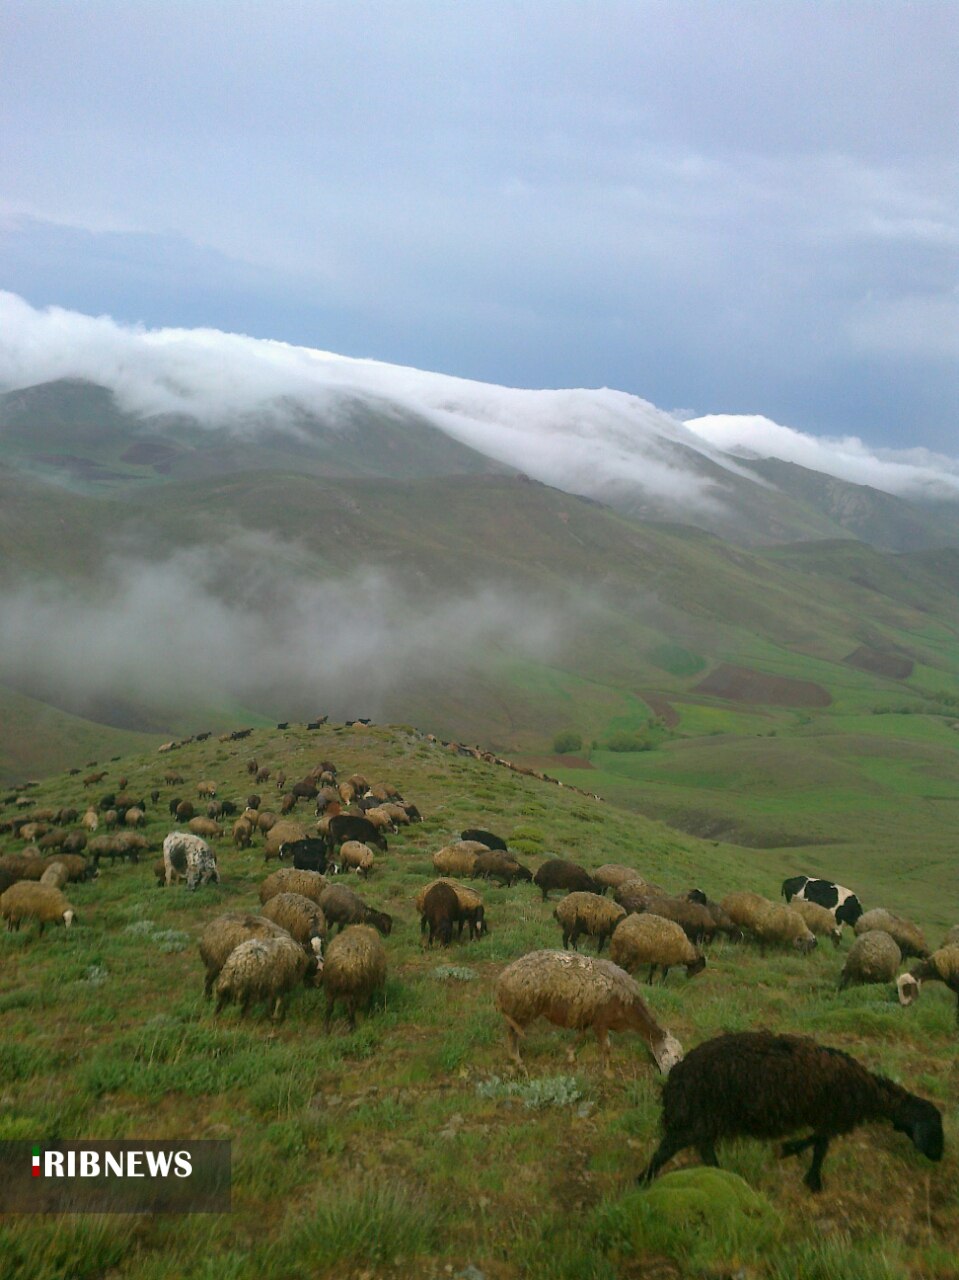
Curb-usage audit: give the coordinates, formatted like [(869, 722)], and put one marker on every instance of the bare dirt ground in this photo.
[(740, 684), (892, 665)]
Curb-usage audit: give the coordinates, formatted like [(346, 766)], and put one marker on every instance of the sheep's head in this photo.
[(68, 918), (805, 944), (667, 1052), (908, 988), (697, 966)]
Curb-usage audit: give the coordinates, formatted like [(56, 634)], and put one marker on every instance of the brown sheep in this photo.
[(354, 970)]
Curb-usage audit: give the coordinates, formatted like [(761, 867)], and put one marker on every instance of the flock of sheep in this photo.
[(311, 929)]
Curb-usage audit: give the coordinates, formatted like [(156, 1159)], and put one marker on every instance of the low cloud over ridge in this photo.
[(597, 442)]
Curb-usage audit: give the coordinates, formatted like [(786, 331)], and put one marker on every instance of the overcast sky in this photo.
[(725, 208)]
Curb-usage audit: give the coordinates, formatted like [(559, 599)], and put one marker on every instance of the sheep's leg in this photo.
[(665, 972), (602, 1035), (797, 1146), (278, 1009), (575, 1047), (652, 970), (513, 1033), (707, 1153), (330, 1000), (669, 1146), (813, 1180)]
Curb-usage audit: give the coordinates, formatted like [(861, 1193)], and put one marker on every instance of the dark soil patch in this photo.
[(740, 684), (660, 707), (880, 664), (545, 763)]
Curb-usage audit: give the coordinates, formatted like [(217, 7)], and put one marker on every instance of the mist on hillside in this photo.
[(596, 442), (235, 625)]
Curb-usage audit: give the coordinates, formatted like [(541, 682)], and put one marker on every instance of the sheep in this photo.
[(77, 867), (288, 880), (951, 938), (223, 934), (439, 912), (190, 857), (745, 907), (159, 870), (818, 920), (908, 937), (288, 803), (343, 907), (206, 790), (613, 874), (184, 810), (90, 821), (308, 854), (587, 913), (56, 875), (656, 941), (941, 966), (472, 910), (263, 969), (301, 917), (75, 842), (457, 859), (494, 864), (214, 809), (760, 1085), (357, 857), (583, 993), (380, 819), (635, 895), (873, 957), (28, 900), (242, 833), (280, 833), (346, 826), (484, 837), (205, 827), (693, 918), (781, 924), (557, 873), (354, 970)]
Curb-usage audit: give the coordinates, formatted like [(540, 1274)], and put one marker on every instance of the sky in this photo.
[(736, 211)]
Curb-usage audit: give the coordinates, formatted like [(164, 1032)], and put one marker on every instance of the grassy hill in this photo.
[(408, 1147)]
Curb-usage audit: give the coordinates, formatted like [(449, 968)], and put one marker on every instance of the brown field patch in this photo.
[(660, 707), (545, 763), (741, 684), (895, 666)]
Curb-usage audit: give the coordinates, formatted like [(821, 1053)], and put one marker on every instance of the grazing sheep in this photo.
[(289, 880), (288, 803), (439, 912), (206, 790), (873, 957), (173, 779), (262, 775), (557, 873), (75, 842), (358, 857), (56, 875), (281, 833), (635, 895), (941, 966), (780, 924), (819, 920), (693, 918), (263, 969), (90, 821), (656, 941), (205, 827), (184, 810), (190, 857), (458, 859), (354, 970), (159, 870), (343, 907), (908, 937), (480, 836), (301, 917), (380, 819), (472, 911), (347, 826), (759, 1085), (587, 913), (613, 874), (29, 900), (583, 993), (744, 908), (224, 934), (494, 864), (242, 833), (266, 819), (77, 867)]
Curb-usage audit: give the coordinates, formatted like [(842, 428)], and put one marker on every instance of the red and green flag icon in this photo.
[(36, 1162)]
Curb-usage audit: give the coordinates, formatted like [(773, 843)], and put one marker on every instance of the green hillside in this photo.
[(409, 1147)]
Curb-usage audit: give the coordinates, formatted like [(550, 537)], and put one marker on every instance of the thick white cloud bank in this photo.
[(907, 472), (596, 442)]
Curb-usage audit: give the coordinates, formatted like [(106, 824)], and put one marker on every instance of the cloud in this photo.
[(907, 472), (222, 625)]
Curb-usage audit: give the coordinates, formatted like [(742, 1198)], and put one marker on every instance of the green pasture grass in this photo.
[(406, 1147)]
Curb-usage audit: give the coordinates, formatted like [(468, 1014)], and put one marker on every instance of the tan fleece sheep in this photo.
[(941, 966), (301, 917), (745, 907), (873, 957), (354, 970), (290, 880), (583, 993), (588, 913), (908, 937), (780, 924), (819, 920), (56, 875), (263, 969), (282, 832), (356, 856), (30, 900), (650, 939), (613, 874), (224, 934), (458, 859)]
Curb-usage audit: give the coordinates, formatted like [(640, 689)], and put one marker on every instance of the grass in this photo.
[(410, 1146)]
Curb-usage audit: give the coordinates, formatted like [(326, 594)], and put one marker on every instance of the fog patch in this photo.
[(212, 627)]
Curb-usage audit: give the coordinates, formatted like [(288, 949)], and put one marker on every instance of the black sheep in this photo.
[(441, 910), (308, 854), (484, 837), (556, 873), (756, 1084)]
